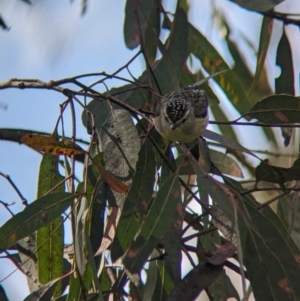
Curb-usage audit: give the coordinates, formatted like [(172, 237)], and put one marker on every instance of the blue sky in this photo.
[(50, 40)]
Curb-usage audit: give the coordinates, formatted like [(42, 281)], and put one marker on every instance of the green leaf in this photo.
[(75, 289), (137, 15), (266, 246), (194, 282), (264, 40), (244, 75), (258, 5), (219, 289), (3, 296), (276, 174), (44, 293), (277, 109), (172, 238), (50, 238), (165, 281), (100, 110), (226, 164), (137, 202), (213, 62), (169, 69), (152, 28), (152, 273), (157, 221), (36, 215), (227, 142), (285, 82)]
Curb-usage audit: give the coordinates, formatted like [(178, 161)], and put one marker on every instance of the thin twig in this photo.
[(10, 181), (265, 204), (6, 205), (187, 238), (184, 249)]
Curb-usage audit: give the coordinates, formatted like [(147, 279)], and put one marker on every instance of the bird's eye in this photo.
[(166, 119), (184, 120)]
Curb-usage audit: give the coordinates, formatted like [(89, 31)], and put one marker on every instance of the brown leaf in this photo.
[(50, 145), (225, 251), (111, 180), (110, 230)]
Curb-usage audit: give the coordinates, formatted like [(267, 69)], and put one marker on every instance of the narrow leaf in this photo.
[(258, 5), (36, 215), (44, 293), (194, 282), (111, 180), (213, 62), (50, 145), (157, 221), (264, 40), (227, 142), (226, 164), (50, 238), (285, 82), (277, 109), (136, 203)]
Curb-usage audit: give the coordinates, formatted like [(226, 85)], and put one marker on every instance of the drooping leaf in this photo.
[(3, 296), (258, 5), (36, 215), (164, 282), (137, 15), (112, 181), (96, 195), (285, 82), (265, 244), (288, 209), (44, 293), (275, 174), (227, 142), (157, 221), (277, 109), (226, 251), (264, 40), (244, 74), (168, 70), (50, 145), (172, 238), (3, 24), (142, 22), (222, 288), (75, 289), (194, 282), (226, 164), (100, 110), (137, 202), (50, 238), (152, 273), (213, 62)]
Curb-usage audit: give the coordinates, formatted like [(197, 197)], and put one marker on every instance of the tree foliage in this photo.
[(144, 206)]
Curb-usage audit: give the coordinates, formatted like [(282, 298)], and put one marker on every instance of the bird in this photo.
[(182, 115)]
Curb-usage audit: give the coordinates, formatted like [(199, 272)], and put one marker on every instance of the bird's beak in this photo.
[(174, 126)]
